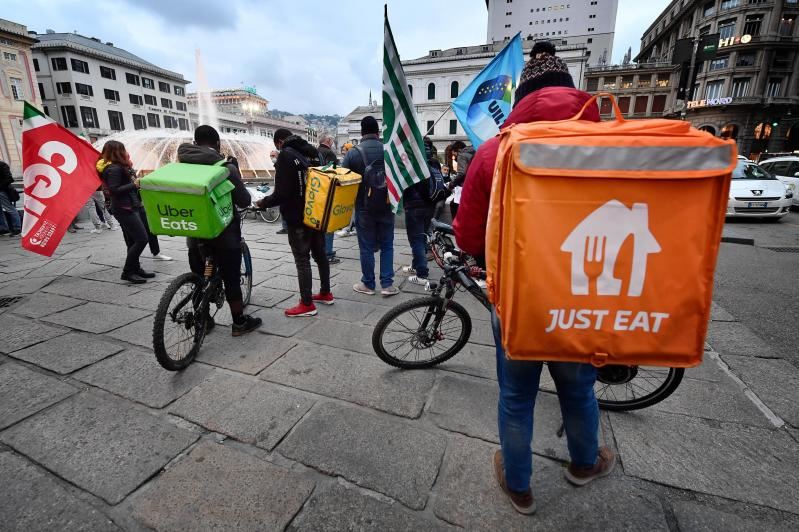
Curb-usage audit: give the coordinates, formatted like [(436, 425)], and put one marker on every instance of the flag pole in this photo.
[(437, 121)]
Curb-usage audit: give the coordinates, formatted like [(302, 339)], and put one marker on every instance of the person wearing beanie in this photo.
[(418, 207), (540, 48), (375, 231), (226, 247), (546, 93)]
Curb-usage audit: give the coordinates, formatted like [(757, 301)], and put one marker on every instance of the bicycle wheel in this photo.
[(246, 273), (420, 333), (620, 388), (179, 327), (270, 215)]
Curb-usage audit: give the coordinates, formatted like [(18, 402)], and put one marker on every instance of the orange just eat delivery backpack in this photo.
[(602, 239)]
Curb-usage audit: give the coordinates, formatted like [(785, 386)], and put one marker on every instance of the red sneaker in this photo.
[(324, 299), (301, 310)]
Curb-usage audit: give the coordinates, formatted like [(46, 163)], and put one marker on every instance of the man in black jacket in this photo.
[(291, 170), (328, 156), (226, 247), (7, 209)]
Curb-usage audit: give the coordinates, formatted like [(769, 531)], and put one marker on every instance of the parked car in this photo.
[(754, 192), (786, 169)]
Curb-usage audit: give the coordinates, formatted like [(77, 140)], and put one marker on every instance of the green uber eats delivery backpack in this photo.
[(183, 199)]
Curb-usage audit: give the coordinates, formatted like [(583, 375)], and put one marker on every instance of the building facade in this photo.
[(17, 84), (349, 127), (95, 89), (642, 90), (438, 78), (586, 23), (750, 90)]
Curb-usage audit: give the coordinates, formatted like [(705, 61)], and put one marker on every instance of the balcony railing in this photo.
[(631, 66)]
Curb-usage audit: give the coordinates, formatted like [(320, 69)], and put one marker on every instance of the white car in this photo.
[(756, 193), (786, 169)]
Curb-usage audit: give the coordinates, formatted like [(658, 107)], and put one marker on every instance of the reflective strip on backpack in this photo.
[(660, 158)]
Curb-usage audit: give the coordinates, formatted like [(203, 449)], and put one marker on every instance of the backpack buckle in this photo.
[(599, 359)]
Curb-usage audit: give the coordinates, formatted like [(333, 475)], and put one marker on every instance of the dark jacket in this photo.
[(291, 169), (230, 237), (372, 147), (464, 160), (5, 176), (551, 103), (124, 194), (326, 155)]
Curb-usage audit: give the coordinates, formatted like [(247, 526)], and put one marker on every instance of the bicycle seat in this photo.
[(442, 227)]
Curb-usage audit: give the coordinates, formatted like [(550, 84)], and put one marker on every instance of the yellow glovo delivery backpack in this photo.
[(602, 239), (330, 197)]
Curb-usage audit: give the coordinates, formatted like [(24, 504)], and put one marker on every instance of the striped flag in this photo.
[(403, 149)]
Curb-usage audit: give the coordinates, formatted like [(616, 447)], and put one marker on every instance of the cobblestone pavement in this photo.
[(300, 426)]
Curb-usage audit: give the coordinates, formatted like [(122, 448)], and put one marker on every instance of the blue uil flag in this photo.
[(485, 104)]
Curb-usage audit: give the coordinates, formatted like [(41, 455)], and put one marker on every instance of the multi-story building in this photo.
[(235, 101), (750, 90), (18, 83), (642, 90), (95, 89), (349, 127), (587, 23), (438, 78)]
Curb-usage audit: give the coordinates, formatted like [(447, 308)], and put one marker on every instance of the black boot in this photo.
[(144, 275), (247, 324), (132, 278)]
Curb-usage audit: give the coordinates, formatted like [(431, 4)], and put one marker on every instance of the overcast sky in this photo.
[(303, 56)]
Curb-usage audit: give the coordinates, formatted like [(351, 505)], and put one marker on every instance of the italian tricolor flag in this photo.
[(59, 176)]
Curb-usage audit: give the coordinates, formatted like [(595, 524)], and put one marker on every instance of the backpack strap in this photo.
[(363, 157)]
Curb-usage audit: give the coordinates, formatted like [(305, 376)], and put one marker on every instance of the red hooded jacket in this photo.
[(547, 104)]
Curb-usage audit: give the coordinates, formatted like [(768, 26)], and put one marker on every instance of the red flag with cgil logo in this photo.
[(59, 176)]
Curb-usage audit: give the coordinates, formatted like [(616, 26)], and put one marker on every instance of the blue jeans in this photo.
[(416, 223), (376, 233), (518, 387), (7, 209), (329, 246)]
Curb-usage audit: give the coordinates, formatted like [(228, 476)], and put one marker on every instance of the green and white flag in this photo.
[(403, 149)]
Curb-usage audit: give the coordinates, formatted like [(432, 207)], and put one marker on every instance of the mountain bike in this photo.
[(426, 331), (189, 305), (270, 214)]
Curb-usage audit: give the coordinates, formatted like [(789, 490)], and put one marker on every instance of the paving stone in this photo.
[(68, 353), (345, 291), (99, 443), (728, 402), (338, 508), (145, 300), (91, 290), (342, 310), (334, 333), (285, 282), (356, 378), (469, 406), (467, 495), (19, 333), (772, 381), (138, 376), (33, 500), (138, 333), (85, 268), (25, 285), (106, 275), (733, 461), (474, 359), (247, 354), (97, 317), (269, 297), (41, 304), (719, 314), (247, 410), (699, 518), (24, 392), (708, 370), (373, 451), (247, 493), (733, 338), (276, 322), (53, 268)]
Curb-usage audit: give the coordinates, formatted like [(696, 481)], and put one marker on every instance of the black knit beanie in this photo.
[(547, 71)]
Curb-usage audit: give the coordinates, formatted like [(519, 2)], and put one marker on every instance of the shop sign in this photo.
[(709, 103), (732, 41)]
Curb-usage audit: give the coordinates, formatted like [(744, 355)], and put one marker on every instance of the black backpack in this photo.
[(437, 188), (375, 195)]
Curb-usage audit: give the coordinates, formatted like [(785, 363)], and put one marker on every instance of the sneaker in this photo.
[(521, 502), (333, 260), (344, 233), (408, 269), (389, 291), (96, 230), (301, 310), (281, 232), (248, 325), (363, 289), (132, 278), (72, 229), (144, 274), (325, 299), (16, 232), (605, 462), (115, 227), (108, 226), (4, 232), (415, 279), (162, 257)]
